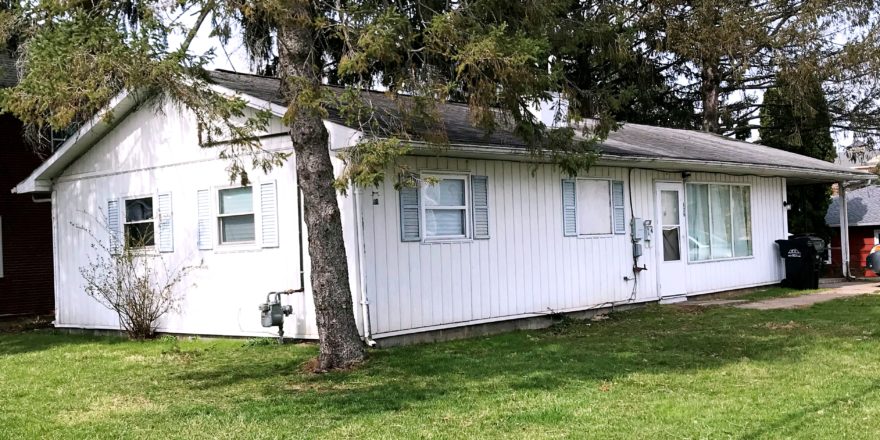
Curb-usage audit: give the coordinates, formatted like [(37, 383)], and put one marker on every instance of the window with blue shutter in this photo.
[(569, 208), (410, 229), (480, 190), (618, 210), (204, 220), (166, 225), (269, 214)]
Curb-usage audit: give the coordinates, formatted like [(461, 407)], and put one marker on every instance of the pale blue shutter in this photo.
[(409, 214), (269, 214), (114, 227), (204, 220), (480, 190), (166, 226), (617, 204), (569, 208)]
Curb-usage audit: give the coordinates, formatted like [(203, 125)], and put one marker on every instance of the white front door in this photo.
[(671, 257)]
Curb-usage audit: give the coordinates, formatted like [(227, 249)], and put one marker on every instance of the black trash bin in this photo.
[(873, 260), (803, 256)]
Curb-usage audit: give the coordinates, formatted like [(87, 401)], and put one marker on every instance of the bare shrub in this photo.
[(126, 275)]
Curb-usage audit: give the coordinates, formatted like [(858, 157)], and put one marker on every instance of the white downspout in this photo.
[(358, 258), (844, 231), (785, 211), (56, 257)]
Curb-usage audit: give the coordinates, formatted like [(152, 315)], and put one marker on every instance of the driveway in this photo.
[(834, 291)]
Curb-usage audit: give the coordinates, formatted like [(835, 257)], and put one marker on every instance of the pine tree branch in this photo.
[(191, 35)]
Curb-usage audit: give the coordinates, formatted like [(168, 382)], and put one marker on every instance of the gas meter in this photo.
[(273, 312), (649, 232)]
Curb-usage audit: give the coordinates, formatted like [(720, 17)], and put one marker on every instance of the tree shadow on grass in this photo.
[(39, 340), (792, 420), (653, 340)]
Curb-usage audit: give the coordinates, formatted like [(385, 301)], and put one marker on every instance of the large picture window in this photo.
[(446, 207), (719, 221)]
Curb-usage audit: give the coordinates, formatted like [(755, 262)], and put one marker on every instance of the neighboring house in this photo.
[(498, 238), (25, 227), (864, 228)]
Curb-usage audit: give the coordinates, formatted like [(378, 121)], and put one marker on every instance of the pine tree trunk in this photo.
[(710, 85), (340, 344)]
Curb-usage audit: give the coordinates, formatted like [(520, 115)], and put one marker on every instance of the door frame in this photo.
[(658, 230)]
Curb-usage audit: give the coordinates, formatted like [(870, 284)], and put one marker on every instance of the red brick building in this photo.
[(26, 272), (864, 229)]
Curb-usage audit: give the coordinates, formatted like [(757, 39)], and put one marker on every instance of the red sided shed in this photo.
[(864, 229), (26, 264)]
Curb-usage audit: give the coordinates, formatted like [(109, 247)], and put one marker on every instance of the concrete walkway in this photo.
[(833, 291)]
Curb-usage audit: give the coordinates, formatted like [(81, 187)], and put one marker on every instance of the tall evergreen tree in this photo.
[(604, 51), (727, 53), (495, 55), (797, 119)]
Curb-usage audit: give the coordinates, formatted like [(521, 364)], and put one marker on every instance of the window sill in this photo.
[(237, 248), (722, 260), (147, 251), (595, 236), (447, 240)]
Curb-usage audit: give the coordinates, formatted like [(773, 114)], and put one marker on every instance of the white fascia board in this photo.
[(75, 146), (252, 101), (512, 153), (97, 127), (814, 175), (341, 136)]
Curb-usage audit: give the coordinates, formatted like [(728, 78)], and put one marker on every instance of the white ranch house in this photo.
[(498, 239)]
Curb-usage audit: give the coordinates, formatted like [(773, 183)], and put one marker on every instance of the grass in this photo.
[(656, 372), (775, 292)]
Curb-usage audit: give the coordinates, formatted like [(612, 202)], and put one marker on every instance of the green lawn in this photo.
[(774, 292), (656, 372)]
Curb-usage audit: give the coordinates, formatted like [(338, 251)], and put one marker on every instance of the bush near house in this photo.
[(657, 372)]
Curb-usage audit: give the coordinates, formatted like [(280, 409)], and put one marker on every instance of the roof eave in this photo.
[(672, 164), (869, 224), (40, 180), (252, 101)]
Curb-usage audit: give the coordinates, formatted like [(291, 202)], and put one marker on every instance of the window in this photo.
[(139, 225), (671, 225), (445, 207), (719, 221), (594, 207), (236, 215)]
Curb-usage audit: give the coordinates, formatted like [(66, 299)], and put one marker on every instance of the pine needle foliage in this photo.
[(798, 120)]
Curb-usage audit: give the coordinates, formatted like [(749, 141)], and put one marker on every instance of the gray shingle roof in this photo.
[(633, 141), (455, 116), (863, 207)]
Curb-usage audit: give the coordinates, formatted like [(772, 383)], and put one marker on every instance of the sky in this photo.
[(232, 57)]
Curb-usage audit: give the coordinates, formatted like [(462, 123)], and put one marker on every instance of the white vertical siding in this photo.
[(528, 266), (156, 151), (220, 298)]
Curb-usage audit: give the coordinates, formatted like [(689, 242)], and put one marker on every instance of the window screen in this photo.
[(445, 204), (236, 215), (594, 207), (140, 227)]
